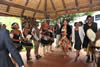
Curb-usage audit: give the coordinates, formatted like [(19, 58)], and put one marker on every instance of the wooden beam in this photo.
[(45, 7), (8, 7), (53, 6), (37, 8), (69, 9), (91, 1), (77, 5), (82, 7), (7, 14), (20, 6), (91, 4), (64, 5), (27, 1)]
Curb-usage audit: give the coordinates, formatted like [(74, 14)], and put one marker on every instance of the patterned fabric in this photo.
[(64, 29), (64, 42)]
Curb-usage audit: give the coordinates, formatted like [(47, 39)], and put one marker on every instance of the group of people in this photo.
[(67, 37), (76, 37)]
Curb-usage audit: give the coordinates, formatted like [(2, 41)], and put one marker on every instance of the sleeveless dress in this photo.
[(27, 43), (17, 44), (77, 41)]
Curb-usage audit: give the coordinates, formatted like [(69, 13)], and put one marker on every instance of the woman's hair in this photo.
[(88, 16), (81, 22), (65, 20), (75, 23), (14, 24)]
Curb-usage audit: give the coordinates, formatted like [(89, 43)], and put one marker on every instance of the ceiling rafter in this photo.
[(91, 1), (27, 1), (7, 14), (64, 5), (8, 7), (82, 7), (77, 5), (53, 6), (45, 8), (37, 8), (45, 5), (19, 6)]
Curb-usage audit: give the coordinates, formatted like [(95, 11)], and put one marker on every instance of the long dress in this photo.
[(77, 41)]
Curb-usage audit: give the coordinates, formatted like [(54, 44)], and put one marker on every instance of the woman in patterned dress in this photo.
[(64, 42)]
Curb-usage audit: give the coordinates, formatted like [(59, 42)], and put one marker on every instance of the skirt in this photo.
[(45, 42), (51, 41), (26, 44), (18, 46)]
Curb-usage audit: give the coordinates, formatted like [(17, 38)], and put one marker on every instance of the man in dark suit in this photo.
[(89, 25), (6, 47), (58, 27)]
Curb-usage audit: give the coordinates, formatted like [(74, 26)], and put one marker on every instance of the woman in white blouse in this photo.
[(77, 38)]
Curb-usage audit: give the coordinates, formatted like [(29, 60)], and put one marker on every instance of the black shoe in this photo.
[(38, 57), (92, 58), (29, 59), (88, 59)]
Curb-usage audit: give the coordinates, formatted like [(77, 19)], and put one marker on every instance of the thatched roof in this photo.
[(41, 8)]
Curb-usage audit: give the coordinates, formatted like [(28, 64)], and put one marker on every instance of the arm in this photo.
[(21, 38), (25, 32), (96, 27), (9, 45), (82, 31), (73, 37)]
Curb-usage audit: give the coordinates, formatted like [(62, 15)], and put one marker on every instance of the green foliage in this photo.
[(87, 13), (69, 17), (40, 21), (9, 20)]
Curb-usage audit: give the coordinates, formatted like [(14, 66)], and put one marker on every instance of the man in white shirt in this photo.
[(58, 27), (36, 38)]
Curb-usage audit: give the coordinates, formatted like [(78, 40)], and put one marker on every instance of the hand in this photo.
[(25, 39), (23, 66)]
